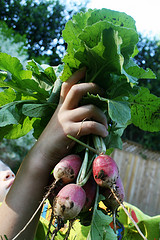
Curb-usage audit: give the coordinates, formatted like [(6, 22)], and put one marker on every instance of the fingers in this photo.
[(89, 112), (76, 93), (75, 78), (90, 127), (84, 120)]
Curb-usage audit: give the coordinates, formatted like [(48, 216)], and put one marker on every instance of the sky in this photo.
[(145, 13)]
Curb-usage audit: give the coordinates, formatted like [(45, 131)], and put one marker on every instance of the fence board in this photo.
[(141, 179)]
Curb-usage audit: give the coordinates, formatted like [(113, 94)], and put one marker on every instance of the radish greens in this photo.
[(103, 41)]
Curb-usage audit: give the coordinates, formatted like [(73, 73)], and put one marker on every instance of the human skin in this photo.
[(32, 178), (6, 180)]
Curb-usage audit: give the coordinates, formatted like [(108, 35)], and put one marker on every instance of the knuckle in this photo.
[(90, 110), (91, 126), (75, 88), (67, 128), (64, 86), (91, 107)]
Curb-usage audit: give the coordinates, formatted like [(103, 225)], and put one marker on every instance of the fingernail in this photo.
[(105, 132)]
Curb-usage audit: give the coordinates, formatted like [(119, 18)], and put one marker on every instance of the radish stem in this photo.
[(82, 172), (99, 144), (82, 183), (83, 144)]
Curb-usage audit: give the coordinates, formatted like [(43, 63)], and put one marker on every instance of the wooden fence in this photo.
[(140, 173)]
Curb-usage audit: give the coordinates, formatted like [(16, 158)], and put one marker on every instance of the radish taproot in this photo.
[(53, 192), (67, 169), (110, 201), (69, 201), (105, 171), (113, 198)]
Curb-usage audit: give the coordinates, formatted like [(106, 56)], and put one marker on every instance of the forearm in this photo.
[(32, 179), (25, 196)]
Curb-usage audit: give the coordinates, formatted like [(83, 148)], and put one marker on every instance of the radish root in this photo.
[(69, 229), (128, 214), (39, 207)]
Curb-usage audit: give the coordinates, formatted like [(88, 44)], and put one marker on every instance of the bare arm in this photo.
[(53, 144)]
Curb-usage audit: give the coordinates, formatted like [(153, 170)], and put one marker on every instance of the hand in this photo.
[(69, 119)]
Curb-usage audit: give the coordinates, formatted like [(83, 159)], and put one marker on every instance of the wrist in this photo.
[(39, 160), (36, 162)]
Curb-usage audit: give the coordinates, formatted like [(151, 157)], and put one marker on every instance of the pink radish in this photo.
[(105, 171), (90, 189), (69, 201), (67, 169), (110, 201), (53, 193)]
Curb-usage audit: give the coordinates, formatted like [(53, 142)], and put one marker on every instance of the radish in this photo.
[(105, 171), (113, 198), (110, 201), (67, 169), (69, 201), (53, 193), (90, 189)]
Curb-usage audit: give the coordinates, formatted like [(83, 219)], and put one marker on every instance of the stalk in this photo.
[(55, 95), (99, 144), (94, 209), (83, 170), (82, 183), (91, 161), (83, 144)]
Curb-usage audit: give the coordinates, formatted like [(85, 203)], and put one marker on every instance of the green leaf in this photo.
[(74, 27), (28, 87), (100, 229), (7, 96), (105, 52), (102, 36), (115, 17), (3, 76), (5, 130), (78, 231), (43, 73), (38, 110), (39, 125), (19, 130), (21, 80), (119, 111), (55, 95), (133, 72), (145, 111), (13, 65), (31, 87), (9, 114), (129, 37), (113, 140)]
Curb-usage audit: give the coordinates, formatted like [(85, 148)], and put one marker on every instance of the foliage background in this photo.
[(32, 29)]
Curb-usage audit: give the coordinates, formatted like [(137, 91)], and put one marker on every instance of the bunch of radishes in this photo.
[(79, 183)]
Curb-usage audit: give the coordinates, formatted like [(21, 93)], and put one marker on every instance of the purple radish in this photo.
[(105, 171), (67, 169), (90, 189), (69, 201)]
